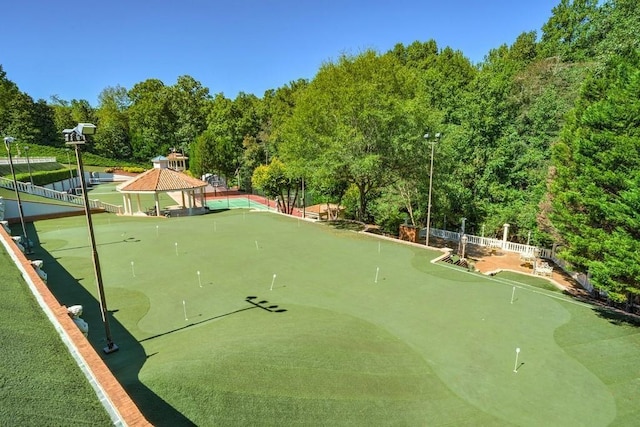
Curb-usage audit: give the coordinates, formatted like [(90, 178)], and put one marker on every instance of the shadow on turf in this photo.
[(617, 317), (127, 240), (249, 299), (124, 364)]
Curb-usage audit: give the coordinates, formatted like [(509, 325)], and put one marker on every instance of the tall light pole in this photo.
[(8, 140), (26, 149), (77, 137), (433, 144), (69, 165)]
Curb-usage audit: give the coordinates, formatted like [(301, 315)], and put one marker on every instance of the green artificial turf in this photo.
[(40, 383), (423, 344), (524, 279)]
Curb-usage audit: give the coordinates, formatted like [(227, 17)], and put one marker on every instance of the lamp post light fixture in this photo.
[(8, 140), (76, 137), (26, 149), (433, 144)]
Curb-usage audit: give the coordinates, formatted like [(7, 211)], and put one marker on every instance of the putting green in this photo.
[(364, 332)]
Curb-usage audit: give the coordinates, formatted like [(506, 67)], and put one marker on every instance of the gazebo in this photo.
[(177, 161), (162, 179)]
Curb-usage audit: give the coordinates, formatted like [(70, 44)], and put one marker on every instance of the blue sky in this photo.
[(74, 49)]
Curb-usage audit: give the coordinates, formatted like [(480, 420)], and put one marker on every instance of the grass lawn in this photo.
[(40, 383), (193, 309)]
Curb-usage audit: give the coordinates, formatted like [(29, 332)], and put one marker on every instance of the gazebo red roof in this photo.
[(161, 180)]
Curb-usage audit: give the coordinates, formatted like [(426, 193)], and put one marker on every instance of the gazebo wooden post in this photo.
[(157, 202)]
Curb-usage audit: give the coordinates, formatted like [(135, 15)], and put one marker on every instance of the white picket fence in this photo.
[(507, 246), (26, 187)]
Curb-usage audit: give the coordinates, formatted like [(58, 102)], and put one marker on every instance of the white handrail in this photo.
[(26, 187)]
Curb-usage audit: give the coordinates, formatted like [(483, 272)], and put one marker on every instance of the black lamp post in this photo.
[(8, 140), (76, 137), (433, 144), (26, 149), (69, 164)]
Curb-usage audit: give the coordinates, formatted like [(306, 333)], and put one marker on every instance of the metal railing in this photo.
[(26, 187)]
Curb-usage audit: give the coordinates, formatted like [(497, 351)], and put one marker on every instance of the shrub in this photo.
[(133, 169)]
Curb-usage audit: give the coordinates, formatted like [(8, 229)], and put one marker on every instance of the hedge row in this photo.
[(42, 178)]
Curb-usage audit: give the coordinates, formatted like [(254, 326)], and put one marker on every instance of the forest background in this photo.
[(543, 134)]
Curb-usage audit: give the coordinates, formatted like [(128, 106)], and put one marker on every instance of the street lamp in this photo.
[(8, 140), (26, 149), (76, 137), (69, 166), (433, 144)]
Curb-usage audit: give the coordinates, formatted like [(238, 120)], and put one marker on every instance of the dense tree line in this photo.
[(542, 134)]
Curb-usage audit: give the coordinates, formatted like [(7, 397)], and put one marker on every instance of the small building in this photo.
[(162, 179), (324, 212), (177, 161)]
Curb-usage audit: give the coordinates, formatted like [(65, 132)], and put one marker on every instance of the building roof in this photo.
[(176, 156), (161, 180), (322, 208)]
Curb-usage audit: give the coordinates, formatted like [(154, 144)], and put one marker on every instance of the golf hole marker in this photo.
[(157, 231), (377, 272), (273, 281), (513, 293), (133, 271), (199, 280), (257, 248), (176, 245), (515, 366), (184, 308)]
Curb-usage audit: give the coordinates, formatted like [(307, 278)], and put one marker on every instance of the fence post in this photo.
[(505, 234)]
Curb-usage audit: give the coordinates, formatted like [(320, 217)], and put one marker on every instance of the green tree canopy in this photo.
[(596, 193)]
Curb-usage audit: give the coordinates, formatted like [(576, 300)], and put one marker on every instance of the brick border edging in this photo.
[(121, 408)]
